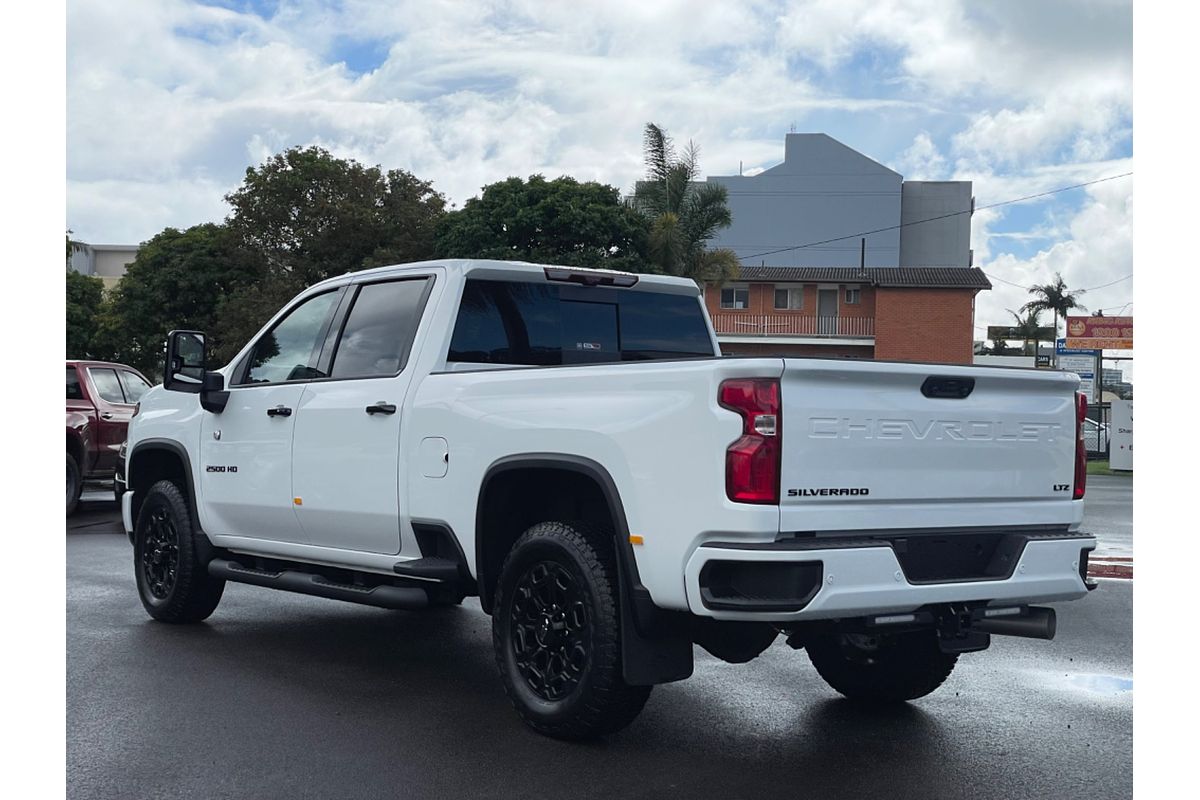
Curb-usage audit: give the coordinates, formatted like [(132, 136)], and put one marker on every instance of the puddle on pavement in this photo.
[(1111, 685)]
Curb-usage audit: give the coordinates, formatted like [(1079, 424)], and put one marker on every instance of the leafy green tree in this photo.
[(85, 295), (1027, 327), (313, 216), (560, 221), (243, 313), (307, 216), (684, 214), (179, 279), (1054, 296)]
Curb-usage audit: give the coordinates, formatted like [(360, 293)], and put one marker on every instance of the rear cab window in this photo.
[(535, 324)]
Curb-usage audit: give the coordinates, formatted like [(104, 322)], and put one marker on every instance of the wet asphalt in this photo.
[(281, 695)]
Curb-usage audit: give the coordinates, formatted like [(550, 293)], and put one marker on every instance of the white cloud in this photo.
[(1099, 251), (922, 161), (168, 102)]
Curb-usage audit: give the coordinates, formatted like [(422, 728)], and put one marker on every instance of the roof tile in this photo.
[(915, 277)]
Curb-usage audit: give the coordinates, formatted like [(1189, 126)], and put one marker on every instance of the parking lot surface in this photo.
[(281, 695)]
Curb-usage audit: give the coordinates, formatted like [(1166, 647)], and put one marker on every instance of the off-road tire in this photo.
[(598, 701), (74, 484), (898, 667), (173, 584)]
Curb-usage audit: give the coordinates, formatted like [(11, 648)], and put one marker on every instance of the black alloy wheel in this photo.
[(550, 630), (556, 631), (160, 554), (172, 579)]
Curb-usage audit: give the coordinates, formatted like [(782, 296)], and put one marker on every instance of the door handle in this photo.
[(106, 415), (382, 408), (279, 411)]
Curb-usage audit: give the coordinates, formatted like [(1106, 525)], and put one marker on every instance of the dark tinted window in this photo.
[(134, 386), (74, 390), (508, 323), (542, 324), (379, 329), (662, 326), (589, 332), (107, 385), (287, 351)]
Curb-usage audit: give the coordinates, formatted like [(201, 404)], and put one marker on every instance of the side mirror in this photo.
[(185, 370), (187, 355)]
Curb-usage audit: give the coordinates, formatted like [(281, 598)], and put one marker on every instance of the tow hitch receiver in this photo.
[(957, 635)]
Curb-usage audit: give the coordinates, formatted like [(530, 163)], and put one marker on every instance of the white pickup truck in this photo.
[(569, 446)]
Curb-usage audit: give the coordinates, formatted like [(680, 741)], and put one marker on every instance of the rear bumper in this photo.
[(853, 579)]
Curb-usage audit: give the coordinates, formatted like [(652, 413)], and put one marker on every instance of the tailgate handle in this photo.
[(947, 386)]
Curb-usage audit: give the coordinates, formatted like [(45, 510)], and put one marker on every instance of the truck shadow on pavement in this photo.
[(287, 673)]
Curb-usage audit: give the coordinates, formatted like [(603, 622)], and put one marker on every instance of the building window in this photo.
[(789, 299), (853, 297), (737, 297)]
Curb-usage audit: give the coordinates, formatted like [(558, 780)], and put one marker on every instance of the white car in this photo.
[(569, 446)]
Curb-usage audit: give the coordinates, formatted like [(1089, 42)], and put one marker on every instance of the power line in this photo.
[(1088, 289), (934, 219), (1110, 283), (1002, 280)]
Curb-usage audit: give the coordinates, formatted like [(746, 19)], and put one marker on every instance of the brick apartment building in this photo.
[(905, 290), (898, 313)]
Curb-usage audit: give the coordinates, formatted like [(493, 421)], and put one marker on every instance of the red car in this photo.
[(100, 401)]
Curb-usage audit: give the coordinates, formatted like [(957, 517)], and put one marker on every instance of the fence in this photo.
[(792, 325), (1096, 430)]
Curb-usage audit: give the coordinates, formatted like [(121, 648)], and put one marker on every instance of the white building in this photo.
[(105, 261), (824, 190)]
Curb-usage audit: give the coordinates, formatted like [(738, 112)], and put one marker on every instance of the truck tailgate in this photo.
[(866, 442)]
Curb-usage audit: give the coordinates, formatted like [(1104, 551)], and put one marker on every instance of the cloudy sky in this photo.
[(169, 101)]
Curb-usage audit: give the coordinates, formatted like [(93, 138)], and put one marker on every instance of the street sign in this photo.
[(1085, 367), (1120, 436), (1005, 332), (1060, 347), (1100, 333)]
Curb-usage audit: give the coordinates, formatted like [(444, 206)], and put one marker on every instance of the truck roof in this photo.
[(84, 362), (497, 269)]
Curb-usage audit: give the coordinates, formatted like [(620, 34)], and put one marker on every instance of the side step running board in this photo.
[(383, 596), (429, 568)]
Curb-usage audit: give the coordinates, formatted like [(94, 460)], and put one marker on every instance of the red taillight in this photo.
[(1080, 448), (752, 462)]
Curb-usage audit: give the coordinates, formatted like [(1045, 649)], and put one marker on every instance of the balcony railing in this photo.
[(793, 325)]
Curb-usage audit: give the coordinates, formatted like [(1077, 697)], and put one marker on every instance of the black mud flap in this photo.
[(659, 649)]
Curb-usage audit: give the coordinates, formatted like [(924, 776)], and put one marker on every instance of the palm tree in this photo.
[(684, 214), (1028, 326), (1054, 297)]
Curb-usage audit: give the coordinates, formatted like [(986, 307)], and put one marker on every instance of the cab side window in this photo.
[(379, 329), (133, 385), (289, 350), (107, 385)]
